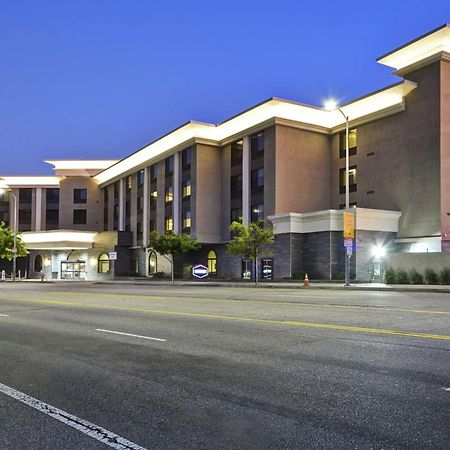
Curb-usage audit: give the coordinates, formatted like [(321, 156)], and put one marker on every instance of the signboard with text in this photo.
[(200, 271), (349, 225), (112, 256)]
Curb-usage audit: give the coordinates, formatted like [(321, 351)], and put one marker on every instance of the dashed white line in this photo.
[(88, 428), (132, 335), (4, 315)]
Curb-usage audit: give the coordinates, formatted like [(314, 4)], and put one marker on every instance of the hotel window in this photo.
[(168, 225), (236, 186), (52, 195), (51, 219), (235, 214), (25, 195), (169, 195), (129, 183), (186, 188), (79, 216), (153, 172), (169, 166), (257, 212), (140, 178), (186, 219), (351, 178), (80, 195), (236, 153), (153, 197), (186, 158), (152, 226), (257, 144), (257, 178), (352, 143)]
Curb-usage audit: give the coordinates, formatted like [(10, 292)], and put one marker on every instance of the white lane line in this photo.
[(4, 315), (88, 428), (132, 335)]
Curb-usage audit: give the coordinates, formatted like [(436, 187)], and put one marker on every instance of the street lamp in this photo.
[(331, 105), (3, 190)]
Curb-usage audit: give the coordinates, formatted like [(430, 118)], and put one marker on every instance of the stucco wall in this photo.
[(418, 261)]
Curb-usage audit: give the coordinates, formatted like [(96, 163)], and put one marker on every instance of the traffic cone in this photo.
[(306, 280)]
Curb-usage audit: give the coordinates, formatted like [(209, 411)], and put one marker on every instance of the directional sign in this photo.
[(200, 271), (349, 251), (348, 242), (112, 256)]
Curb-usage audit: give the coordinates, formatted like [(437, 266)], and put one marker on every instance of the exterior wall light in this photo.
[(378, 252)]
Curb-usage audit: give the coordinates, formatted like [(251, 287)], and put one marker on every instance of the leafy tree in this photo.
[(171, 245), (251, 241), (7, 243)]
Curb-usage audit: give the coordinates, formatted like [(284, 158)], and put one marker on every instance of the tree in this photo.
[(7, 243), (251, 241), (170, 245)]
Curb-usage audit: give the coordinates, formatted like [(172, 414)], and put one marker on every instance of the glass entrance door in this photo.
[(73, 270)]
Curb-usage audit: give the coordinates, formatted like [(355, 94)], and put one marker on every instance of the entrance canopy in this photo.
[(58, 239)]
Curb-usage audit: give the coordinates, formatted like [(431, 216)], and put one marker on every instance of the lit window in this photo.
[(129, 183), (152, 263), (257, 212), (169, 195), (187, 188), (212, 262), (153, 197), (169, 224), (186, 217), (103, 263), (352, 143)]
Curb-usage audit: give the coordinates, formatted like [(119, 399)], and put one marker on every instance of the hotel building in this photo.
[(280, 160)]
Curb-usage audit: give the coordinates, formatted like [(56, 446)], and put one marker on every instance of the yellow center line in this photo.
[(243, 319), (258, 302)]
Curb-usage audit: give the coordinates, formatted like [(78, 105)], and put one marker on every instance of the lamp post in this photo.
[(332, 106)]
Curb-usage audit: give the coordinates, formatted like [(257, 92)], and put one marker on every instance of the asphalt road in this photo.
[(232, 368)]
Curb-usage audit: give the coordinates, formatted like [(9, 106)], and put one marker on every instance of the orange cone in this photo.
[(306, 280)]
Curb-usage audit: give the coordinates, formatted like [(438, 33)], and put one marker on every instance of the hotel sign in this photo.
[(200, 271)]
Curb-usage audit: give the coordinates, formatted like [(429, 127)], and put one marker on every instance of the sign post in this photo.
[(349, 235), (113, 257)]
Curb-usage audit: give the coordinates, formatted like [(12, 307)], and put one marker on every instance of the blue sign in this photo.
[(200, 271)]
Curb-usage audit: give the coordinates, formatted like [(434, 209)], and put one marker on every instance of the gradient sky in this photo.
[(102, 78)]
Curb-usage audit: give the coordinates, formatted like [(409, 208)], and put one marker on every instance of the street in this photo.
[(86, 365)]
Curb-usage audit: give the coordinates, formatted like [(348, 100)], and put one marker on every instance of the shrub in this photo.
[(159, 275), (444, 275), (415, 277), (431, 276), (340, 276), (402, 277), (390, 276)]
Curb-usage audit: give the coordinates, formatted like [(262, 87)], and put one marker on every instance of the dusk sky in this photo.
[(102, 78)]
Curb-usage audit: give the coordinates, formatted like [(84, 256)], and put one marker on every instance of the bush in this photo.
[(402, 277), (159, 275), (340, 276), (389, 276), (415, 277), (444, 275), (431, 277)]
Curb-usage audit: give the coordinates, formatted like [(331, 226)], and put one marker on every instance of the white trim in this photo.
[(38, 212)]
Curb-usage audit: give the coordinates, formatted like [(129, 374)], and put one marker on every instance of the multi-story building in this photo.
[(280, 160)]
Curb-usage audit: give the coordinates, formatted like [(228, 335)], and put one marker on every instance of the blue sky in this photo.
[(102, 78)]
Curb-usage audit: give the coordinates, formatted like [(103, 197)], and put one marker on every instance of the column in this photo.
[(146, 207), (176, 193), (122, 204), (38, 212), (246, 153)]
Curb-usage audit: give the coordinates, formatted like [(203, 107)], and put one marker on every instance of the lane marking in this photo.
[(264, 302), (247, 319), (132, 335), (4, 315), (88, 428)]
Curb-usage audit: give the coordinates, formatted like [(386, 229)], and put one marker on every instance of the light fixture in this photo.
[(330, 105), (378, 251)]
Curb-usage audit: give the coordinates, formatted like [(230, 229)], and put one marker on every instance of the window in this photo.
[(153, 197), (352, 143), (52, 195), (235, 214), (186, 158), (24, 217), (186, 219), (103, 263), (105, 195), (51, 219), (212, 262), (186, 188), (152, 225), (257, 178), (257, 212), (169, 166), (351, 179), (351, 204), (25, 195), (129, 183), (153, 172), (169, 195), (140, 178), (152, 263), (37, 263), (257, 144), (168, 224), (80, 195), (79, 216), (236, 186), (236, 153)]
